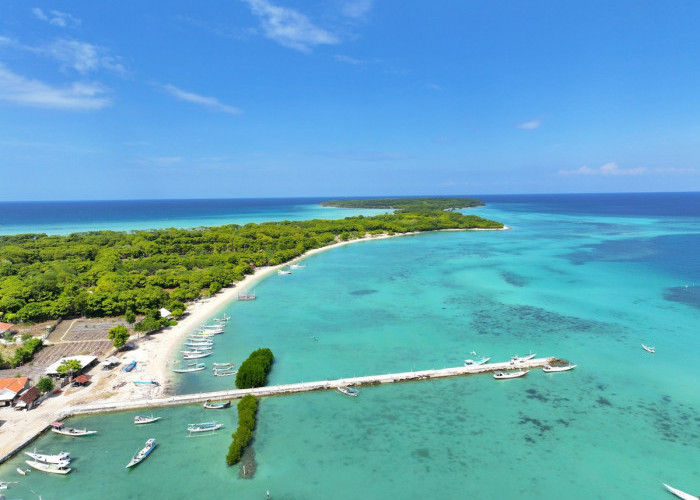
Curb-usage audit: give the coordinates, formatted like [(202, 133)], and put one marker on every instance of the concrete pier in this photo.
[(304, 387)]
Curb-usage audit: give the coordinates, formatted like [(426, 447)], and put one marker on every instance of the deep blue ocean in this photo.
[(587, 278)]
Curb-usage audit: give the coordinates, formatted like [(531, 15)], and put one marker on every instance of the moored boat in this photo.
[(141, 455), (350, 391), (195, 355), (22, 472), (551, 369), (649, 349), (506, 375), (476, 362), (62, 458), (284, 271), (130, 366), (193, 367), (225, 373), (145, 382), (520, 359), (216, 366), (50, 468), (222, 318), (204, 427), (680, 494), (216, 406), (138, 419), (61, 428)]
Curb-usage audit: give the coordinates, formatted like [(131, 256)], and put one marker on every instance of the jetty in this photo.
[(320, 385)]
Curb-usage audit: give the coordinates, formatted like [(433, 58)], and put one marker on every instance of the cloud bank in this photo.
[(208, 102)]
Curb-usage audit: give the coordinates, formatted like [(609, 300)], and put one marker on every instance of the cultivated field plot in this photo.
[(81, 329)]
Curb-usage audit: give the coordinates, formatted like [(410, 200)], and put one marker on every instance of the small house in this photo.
[(11, 388), (28, 399)]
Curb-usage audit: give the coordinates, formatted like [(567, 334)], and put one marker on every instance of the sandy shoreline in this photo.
[(153, 355)]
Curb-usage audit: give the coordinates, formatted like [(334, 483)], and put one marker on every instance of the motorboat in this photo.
[(62, 458), (195, 354), (680, 494), (141, 455), (506, 375), (476, 362), (138, 419), (520, 359), (22, 472), (204, 427), (61, 428), (50, 468), (350, 391), (551, 369), (296, 266), (216, 366), (284, 271), (192, 367), (649, 349), (225, 373), (216, 406), (222, 318)]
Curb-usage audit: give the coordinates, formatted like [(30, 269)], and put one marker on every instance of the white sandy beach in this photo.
[(153, 355)]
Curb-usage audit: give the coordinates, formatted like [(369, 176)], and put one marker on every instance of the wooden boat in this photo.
[(350, 391), (216, 326), (680, 494), (506, 375), (472, 362), (138, 419), (145, 382), (62, 458), (204, 427), (5, 484), (141, 455), (192, 367), (649, 349), (223, 318), (22, 472), (551, 369), (225, 373), (195, 355), (284, 271), (210, 332), (60, 428), (216, 406), (296, 266), (216, 366), (518, 359), (50, 468), (130, 366)]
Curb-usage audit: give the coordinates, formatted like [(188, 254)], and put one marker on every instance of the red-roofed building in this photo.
[(81, 380), (27, 399), (5, 327), (10, 388)]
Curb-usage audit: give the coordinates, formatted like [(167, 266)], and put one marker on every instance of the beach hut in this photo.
[(81, 380), (10, 388), (27, 399), (164, 313), (5, 327)]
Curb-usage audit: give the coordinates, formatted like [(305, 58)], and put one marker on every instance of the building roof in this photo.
[(84, 361), (81, 379), (30, 395), (5, 326), (164, 313), (16, 384)]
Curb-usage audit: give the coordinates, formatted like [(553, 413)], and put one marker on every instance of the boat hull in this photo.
[(680, 494), (49, 468)]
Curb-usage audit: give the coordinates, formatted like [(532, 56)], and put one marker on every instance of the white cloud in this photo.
[(80, 56), (289, 27), (531, 125), (357, 8), (608, 169), (209, 102), (349, 60), (79, 96), (56, 18)]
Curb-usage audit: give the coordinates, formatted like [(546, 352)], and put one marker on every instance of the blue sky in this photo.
[(283, 98)]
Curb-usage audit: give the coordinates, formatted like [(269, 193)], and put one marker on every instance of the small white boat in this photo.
[(216, 366), (284, 271), (519, 359), (50, 468), (138, 419), (216, 406), (193, 367), (473, 362), (5, 484), (60, 428), (195, 355), (199, 344), (62, 458), (680, 494), (649, 349), (204, 427), (551, 369), (225, 373), (223, 318), (22, 472), (146, 382), (209, 332), (296, 266), (506, 375), (141, 455), (350, 391)]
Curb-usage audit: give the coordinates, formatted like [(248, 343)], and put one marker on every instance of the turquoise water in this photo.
[(588, 287)]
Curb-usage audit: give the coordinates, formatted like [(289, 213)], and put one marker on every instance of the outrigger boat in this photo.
[(145, 382), (506, 375), (195, 354), (192, 367), (225, 373), (50, 468), (204, 427), (223, 318), (649, 349), (141, 455), (22, 472), (138, 419), (472, 362), (61, 459), (216, 406), (350, 391), (60, 428), (518, 359), (680, 494), (551, 369), (216, 366)]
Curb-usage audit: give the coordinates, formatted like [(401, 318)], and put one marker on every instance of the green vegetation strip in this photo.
[(107, 273), (247, 412), (254, 370), (406, 204)]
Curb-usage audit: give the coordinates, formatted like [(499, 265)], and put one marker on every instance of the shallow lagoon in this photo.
[(589, 288)]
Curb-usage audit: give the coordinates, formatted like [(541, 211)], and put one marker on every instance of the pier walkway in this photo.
[(304, 387)]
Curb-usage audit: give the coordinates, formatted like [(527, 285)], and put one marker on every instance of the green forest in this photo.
[(109, 273), (406, 204)]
